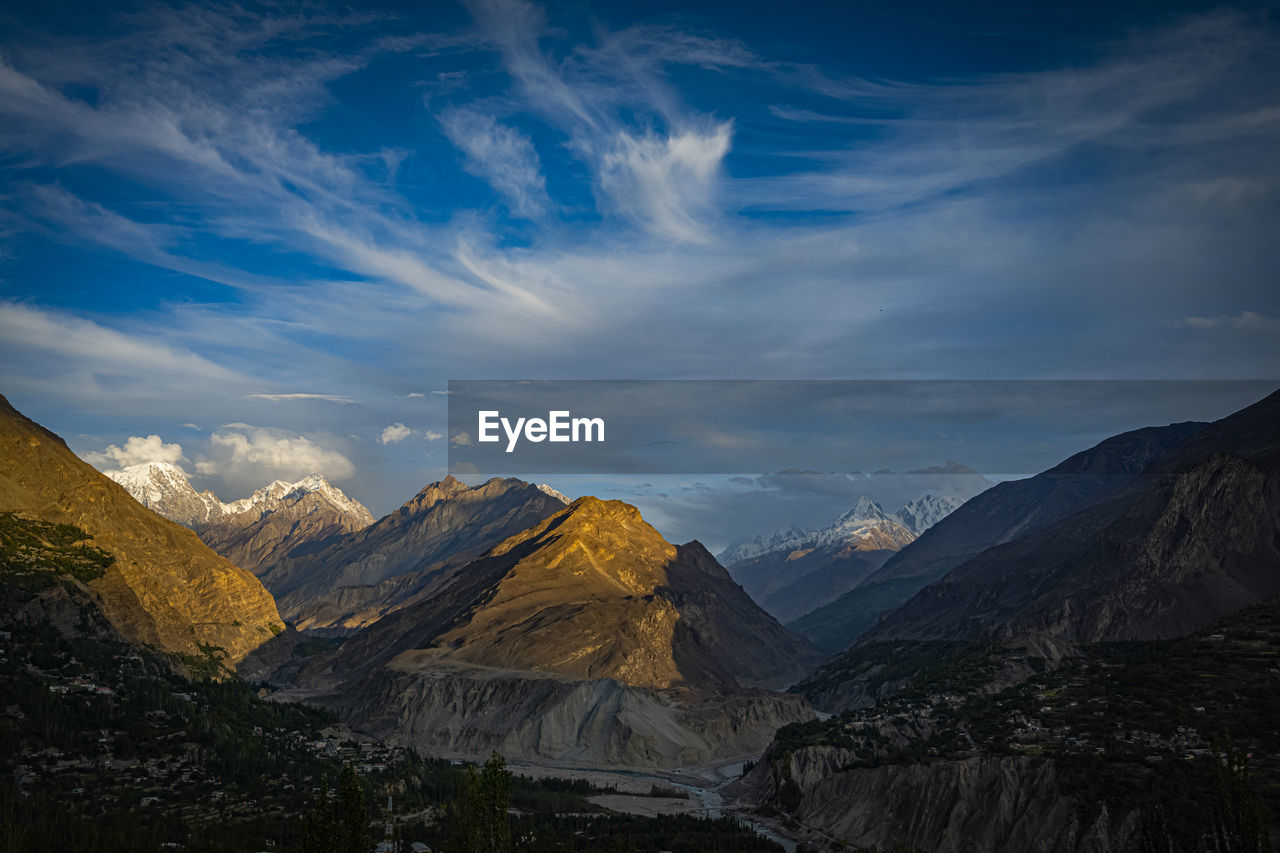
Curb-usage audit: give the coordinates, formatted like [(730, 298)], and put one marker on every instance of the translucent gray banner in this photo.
[(525, 427)]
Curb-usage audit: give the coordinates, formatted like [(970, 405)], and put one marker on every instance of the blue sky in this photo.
[(267, 233)]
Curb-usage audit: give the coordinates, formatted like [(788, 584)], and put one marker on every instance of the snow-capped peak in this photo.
[(927, 510), (280, 490), (547, 490), (865, 522), (780, 540), (164, 488), (864, 510)]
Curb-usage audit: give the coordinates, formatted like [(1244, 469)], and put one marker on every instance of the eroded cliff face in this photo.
[(166, 587), (992, 804), (465, 711)]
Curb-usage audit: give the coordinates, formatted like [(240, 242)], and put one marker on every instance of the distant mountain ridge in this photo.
[(792, 572), (277, 521), (916, 516), (163, 488)]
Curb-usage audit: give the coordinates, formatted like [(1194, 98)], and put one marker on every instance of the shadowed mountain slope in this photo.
[(1001, 514), (1194, 537)]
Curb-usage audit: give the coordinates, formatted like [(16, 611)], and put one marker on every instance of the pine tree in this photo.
[(339, 821), (320, 835), (354, 811), (495, 785), (1240, 822), (482, 824)]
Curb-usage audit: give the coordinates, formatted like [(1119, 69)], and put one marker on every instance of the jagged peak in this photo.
[(547, 490), (864, 510), (451, 487), (313, 483)]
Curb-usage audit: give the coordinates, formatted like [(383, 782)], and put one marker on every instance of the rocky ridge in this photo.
[(166, 587), (356, 578), (1194, 537)]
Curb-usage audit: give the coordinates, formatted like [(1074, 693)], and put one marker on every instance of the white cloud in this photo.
[(136, 451), (432, 435), (502, 156), (395, 433), (666, 184), (461, 439), (246, 456), (664, 181), (1248, 321), (329, 398), (103, 368)]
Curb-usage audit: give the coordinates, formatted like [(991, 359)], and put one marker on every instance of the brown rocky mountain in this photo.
[(1194, 537), (357, 578), (594, 592), (166, 587), (1001, 514), (535, 646)]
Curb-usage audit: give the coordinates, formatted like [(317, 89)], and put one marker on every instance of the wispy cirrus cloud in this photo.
[(662, 179), (328, 398), (501, 155), (1247, 321), (658, 199)]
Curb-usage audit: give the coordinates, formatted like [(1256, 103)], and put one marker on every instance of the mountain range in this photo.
[(1100, 646), (795, 571), (278, 521), (1193, 537), (503, 617)]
